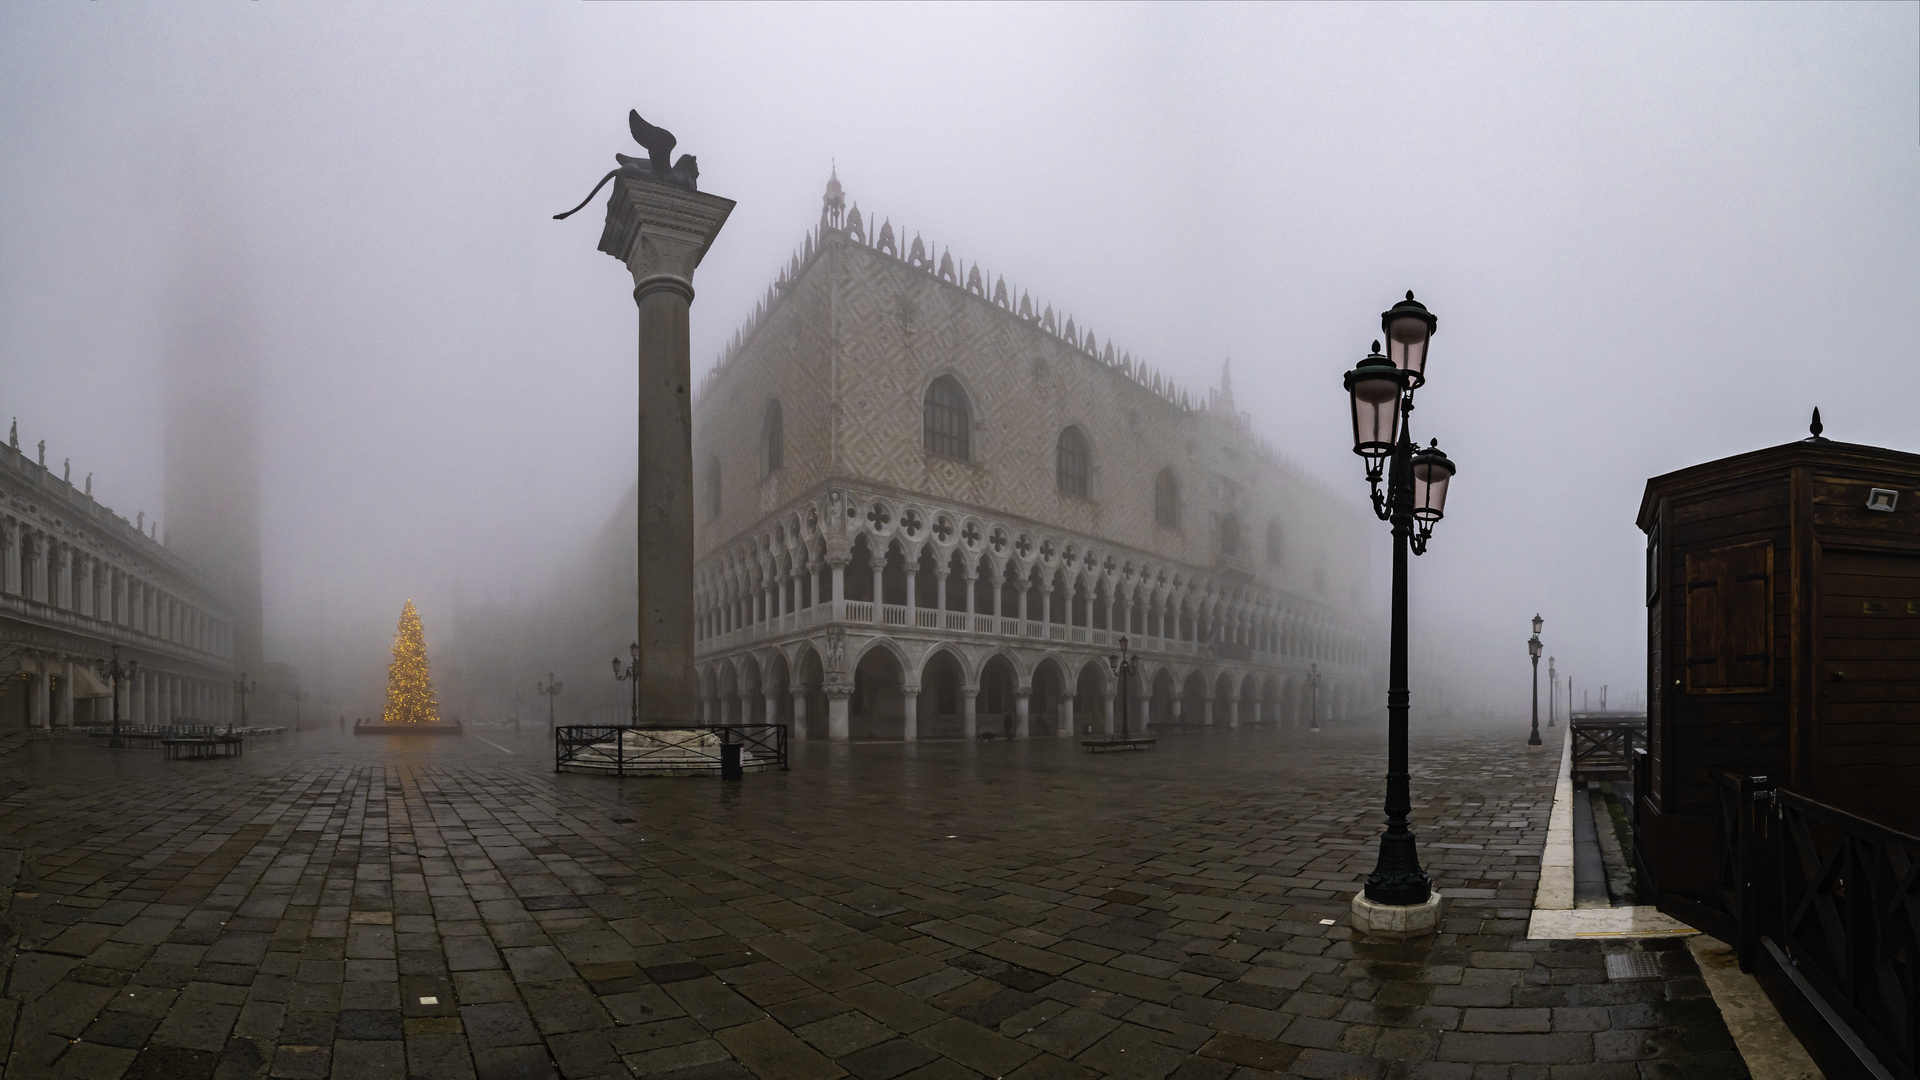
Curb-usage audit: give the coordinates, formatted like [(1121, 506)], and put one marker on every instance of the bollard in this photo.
[(730, 761)]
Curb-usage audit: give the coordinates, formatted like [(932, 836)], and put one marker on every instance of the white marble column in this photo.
[(969, 722), (910, 704), (1066, 716), (1020, 705), (1106, 711), (799, 712)]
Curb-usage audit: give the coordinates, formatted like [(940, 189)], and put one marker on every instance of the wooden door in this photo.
[(1867, 646)]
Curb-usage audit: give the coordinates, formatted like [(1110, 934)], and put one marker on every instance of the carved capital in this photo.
[(661, 231)]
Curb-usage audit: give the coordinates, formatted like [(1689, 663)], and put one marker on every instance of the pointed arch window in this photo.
[(1273, 542), (949, 420), (1070, 463), (1166, 500), (773, 438), (1230, 535)]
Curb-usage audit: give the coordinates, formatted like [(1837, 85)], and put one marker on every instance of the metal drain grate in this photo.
[(1633, 965)]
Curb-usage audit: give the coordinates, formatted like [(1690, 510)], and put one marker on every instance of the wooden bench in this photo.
[(202, 749), (1102, 746)]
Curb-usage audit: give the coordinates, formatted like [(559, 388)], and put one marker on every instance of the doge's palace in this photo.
[(930, 508)]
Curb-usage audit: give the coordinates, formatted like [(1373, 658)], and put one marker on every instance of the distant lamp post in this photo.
[(630, 674), (1533, 650), (1381, 389), (115, 670), (1123, 665), (1313, 685), (1553, 690), (242, 688), (552, 690)]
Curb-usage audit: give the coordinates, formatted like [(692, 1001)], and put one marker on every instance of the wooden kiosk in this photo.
[(1783, 640)]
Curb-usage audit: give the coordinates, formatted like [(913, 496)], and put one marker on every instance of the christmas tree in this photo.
[(409, 683)]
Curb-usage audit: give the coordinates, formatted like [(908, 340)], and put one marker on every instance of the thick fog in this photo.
[(1653, 235)]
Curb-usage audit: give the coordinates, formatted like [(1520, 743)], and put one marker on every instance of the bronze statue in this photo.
[(659, 143)]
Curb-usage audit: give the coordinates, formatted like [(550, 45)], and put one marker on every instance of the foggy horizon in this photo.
[(1653, 236)]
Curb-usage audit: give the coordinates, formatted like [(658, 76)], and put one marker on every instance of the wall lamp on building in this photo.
[(118, 672), (1123, 665), (1413, 500), (631, 674), (1534, 650)]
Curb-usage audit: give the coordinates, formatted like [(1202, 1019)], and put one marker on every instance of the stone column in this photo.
[(1021, 695), (970, 602), (773, 707), (839, 589), (1206, 711), (1179, 707), (1026, 586), (1066, 716), (940, 594), (1106, 710), (910, 703), (63, 699), (969, 723), (913, 601), (837, 728), (879, 593), (1233, 712), (661, 231), (799, 712)]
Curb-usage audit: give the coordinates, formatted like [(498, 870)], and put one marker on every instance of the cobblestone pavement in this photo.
[(449, 908)]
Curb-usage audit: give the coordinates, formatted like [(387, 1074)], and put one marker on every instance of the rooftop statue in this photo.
[(659, 143)]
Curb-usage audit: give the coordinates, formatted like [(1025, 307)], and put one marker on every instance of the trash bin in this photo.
[(730, 761)]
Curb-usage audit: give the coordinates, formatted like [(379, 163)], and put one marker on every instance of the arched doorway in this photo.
[(877, 710), (1159, 711), (1089, 713), (942, 709), (808, 680), (1043, 705), (1193, 700), (993, 709)]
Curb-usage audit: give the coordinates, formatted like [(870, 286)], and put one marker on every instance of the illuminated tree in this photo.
[(409, 683)]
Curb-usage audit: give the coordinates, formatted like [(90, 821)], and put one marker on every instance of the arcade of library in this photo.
[(929, 510)]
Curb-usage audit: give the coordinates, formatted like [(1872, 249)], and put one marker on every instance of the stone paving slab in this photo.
[(454, 909)]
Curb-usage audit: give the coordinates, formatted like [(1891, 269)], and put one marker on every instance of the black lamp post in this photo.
[(552, 690), (1313, 684), (631, 674), (1123, 666), (1381, 388), (1533, 650), (115, 670), (1553, 691)]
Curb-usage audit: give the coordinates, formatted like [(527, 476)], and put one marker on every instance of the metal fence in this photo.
[(664, 749)]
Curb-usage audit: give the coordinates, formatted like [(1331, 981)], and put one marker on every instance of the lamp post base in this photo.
[(1396, 922)]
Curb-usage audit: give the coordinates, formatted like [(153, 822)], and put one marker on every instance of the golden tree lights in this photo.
[(409, 682)]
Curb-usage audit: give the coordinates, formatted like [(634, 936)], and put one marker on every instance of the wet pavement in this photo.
[(362, 907)]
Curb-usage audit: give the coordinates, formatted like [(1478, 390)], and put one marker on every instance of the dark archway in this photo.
[(877, 709), (942, 709), (993, 709)]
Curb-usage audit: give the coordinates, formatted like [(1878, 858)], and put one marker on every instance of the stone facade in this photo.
[(75, 580), (1000, 588)]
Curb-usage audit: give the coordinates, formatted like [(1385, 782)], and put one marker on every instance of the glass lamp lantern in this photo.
[(1432, 469), (1409, 328), (1533, 647), (1538, 622), (1375, 385)]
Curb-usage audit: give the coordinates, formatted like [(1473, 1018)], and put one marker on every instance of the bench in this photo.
[(1101, 746), (202, 748)]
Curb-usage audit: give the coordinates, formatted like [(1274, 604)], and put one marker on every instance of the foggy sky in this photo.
[(1653, 236)]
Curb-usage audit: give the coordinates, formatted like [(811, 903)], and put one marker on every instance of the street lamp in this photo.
[(1381, 390), (1123, 666), (115, 670), (1533, 650), (630, 674), (552, 690), (1313, 684), (1553, 690)]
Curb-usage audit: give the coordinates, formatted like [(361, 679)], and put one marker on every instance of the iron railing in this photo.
[(667, 748), (1830, 900)]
